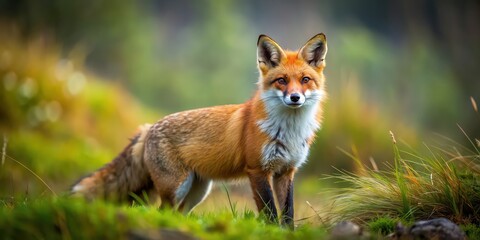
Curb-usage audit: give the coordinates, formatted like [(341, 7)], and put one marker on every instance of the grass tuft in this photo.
[(445, 182)]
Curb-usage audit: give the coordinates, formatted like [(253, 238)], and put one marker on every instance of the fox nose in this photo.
[(295, 97)]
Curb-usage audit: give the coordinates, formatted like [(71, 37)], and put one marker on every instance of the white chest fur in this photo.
[(289, 130)]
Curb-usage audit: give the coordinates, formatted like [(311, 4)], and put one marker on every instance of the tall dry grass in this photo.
[(444, 182)]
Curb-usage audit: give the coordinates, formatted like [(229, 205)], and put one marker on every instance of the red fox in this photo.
[(265, 139)]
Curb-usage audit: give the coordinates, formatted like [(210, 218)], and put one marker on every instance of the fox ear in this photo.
[(269, 53), (315, 50)]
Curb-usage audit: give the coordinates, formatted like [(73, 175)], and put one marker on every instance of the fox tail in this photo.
[(124, 175)]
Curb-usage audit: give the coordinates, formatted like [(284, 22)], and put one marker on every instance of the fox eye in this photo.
[(305, 79), (282, 81)]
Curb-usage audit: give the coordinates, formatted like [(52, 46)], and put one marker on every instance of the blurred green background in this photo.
[(78, 77)]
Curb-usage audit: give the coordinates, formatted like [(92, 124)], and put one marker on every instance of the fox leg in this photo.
[(184, 188), (170, 178), (171, 188), (199, 190), (262, 193), (283, 185)]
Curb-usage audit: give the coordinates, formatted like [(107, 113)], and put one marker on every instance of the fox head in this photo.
[(294, 78)]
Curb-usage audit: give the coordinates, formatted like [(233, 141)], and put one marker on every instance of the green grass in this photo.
[(383, 225), (72, 218), (472, 231), (444, 182), (68, 218)]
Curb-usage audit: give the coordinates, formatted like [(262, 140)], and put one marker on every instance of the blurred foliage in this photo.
[(407, 66), (58, 119)]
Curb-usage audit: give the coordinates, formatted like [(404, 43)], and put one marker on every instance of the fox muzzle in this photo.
[(294, 100)]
